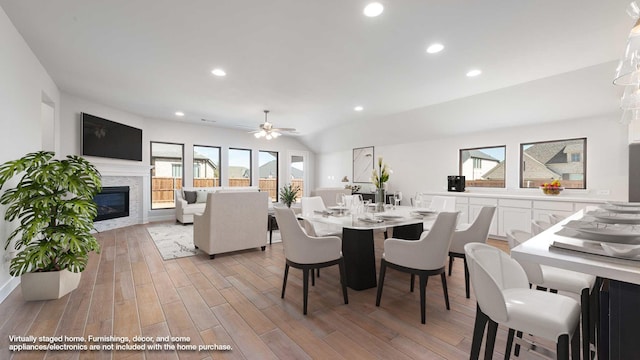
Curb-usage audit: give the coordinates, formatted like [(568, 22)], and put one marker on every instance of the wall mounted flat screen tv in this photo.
[(109, 139)]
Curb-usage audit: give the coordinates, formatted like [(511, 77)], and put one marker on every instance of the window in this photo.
[(166, 173), (206, 166), (239, 167), (545, 161), (483, 167), (268, 173), (296, 173)]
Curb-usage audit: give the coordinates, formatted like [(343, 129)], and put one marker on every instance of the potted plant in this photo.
[(288, 194), (52, 203)]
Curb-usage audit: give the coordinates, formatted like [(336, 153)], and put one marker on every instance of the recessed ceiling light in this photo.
[(179, 113), (374, 9), (474, 72), (358, 108), (435, 48), (218, 72)]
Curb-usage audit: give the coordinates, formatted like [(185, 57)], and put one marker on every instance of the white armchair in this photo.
[(232, 221), (424, 257), (307, 252)]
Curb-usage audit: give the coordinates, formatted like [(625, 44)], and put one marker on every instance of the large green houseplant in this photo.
[(52, 203)]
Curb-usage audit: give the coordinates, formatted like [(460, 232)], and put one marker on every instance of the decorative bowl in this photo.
[(551, 190)]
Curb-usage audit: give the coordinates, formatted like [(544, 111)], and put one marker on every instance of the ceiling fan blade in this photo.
[(283, 129)]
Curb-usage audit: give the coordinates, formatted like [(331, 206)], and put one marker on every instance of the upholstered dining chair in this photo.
[(538, 226), (443, 203), (424, 257), (504, 297), (311, 204), (555, 218), (556, 279), (478, 231), (308, 253)]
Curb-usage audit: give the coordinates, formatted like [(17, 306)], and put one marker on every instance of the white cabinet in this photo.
[(513, 214), (476, 204), (462, 206)]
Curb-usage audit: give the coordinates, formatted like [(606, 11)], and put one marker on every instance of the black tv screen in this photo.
[(109, 139)]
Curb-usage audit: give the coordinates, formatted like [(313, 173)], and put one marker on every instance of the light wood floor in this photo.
[(129, 290)]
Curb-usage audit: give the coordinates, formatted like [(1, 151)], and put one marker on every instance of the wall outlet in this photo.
[(603, 192)]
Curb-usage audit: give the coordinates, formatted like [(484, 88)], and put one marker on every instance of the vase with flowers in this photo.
[(379, 177), (552, 188)]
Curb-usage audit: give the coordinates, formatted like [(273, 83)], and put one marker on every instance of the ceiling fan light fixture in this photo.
[(275, 134)]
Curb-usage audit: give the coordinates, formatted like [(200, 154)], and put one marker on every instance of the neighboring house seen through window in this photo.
[(483, 167), (543, 162), (206, 166)]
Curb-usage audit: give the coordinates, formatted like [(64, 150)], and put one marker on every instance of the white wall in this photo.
[(24, 83), (185, 133), (424, 166)]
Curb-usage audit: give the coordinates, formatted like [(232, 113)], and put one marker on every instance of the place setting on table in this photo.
[(612, 229)]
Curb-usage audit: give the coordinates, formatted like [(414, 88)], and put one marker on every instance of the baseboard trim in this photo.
[(8, 287)]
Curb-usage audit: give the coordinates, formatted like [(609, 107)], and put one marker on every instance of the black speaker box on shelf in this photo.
[(455, 183)]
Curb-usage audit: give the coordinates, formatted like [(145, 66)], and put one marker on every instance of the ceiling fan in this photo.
[(268, 131)]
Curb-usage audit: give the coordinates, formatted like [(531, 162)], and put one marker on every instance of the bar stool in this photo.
[(504, 297), (555, 279)]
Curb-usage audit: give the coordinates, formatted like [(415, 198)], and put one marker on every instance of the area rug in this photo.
[(173, 240), (176, 240)]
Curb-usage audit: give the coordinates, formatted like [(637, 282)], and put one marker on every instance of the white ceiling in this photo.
[(310, 62)]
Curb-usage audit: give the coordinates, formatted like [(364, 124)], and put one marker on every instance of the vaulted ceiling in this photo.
[(311, 62)]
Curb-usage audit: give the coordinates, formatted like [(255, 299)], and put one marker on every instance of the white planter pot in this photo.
[(48, 285)]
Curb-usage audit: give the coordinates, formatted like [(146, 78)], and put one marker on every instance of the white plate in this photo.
[(424, 211), (371, 221), (614, 218), (621, 209), (620, 250), (629, 234), (390, 217), (624, 204)]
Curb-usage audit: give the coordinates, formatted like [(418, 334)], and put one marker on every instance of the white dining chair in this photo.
[(478, 231), (556, 279), (311, 204), (504, 297), (308, 253), (424, 257), (555, 218), (443, 203), (538, 226)]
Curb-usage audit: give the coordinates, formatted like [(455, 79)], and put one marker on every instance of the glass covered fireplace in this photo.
[(113, 202)]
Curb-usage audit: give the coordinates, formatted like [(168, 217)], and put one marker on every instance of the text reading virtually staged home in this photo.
[(319, 180)]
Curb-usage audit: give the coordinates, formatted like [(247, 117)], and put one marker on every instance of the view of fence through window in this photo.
[(206, 166), (483, 167), (166, 173), (268, 173), (543, 162), (239, 167), (296, 172)]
